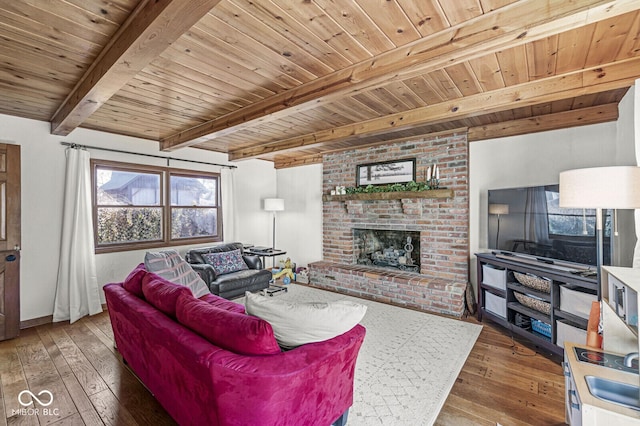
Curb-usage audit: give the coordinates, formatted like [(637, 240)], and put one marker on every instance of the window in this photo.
[(194, 206), (143, 207), (572, 222)]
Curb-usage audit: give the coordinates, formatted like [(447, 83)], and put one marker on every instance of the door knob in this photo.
[(10, 258)]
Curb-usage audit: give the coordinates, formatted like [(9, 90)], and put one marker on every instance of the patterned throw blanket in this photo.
[(172, 267)]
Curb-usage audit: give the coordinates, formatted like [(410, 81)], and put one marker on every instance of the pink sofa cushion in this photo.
[(163, 294), (233, 331), (222, 303), (133, 282)]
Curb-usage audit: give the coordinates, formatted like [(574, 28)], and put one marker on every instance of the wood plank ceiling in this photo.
[(288, 80)]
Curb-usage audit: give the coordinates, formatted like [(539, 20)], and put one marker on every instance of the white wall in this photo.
[(254, 181), (43, 164), (299, 227), (538, 159)]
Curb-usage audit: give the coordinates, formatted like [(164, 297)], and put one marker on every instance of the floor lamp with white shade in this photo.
[(616, 187), (274, 205), (498, 209)]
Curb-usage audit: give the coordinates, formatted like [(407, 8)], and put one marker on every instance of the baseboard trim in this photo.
[(35, 322)]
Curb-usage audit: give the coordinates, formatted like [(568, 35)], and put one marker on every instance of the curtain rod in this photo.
[(76, 145)]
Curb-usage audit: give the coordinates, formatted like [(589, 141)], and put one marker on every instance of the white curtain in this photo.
[(229, 230), (77, 291)]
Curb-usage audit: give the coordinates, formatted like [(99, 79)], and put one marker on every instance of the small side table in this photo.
[(266, 253), (273, 288)]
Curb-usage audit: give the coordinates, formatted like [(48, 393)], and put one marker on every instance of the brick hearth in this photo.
[(397, 288), (443, 225)]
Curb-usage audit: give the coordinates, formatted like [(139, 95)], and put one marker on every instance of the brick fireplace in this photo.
[(393, 249), (439, 228)]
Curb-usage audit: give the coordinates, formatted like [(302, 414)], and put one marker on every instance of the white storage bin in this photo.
[(494, 277), (576, 302), (566, 332), (495, 304)]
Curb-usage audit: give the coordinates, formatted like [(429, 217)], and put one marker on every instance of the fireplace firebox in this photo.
[(392, 249)]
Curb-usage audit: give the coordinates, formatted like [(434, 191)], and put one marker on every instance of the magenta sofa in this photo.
[(207, 362)]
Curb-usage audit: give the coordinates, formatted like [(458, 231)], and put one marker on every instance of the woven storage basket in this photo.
[(530, 302), (531, 281)]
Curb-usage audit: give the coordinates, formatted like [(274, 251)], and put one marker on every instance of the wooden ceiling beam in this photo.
[(606, 77), (281, 162), (148, 31), (284, 163), (541, 123), (515, 24)]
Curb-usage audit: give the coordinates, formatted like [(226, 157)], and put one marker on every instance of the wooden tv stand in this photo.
[(501, 306)]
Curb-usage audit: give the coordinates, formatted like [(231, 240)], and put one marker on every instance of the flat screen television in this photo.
[(529, 220)]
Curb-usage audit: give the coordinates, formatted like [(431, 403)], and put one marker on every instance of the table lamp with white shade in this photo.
[(616, 187)]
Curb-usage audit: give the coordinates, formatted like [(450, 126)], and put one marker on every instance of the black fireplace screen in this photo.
[(395, 249)]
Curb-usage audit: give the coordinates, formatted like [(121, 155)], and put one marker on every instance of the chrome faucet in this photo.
[(628, 359)]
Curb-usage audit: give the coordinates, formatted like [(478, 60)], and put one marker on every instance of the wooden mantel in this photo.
[(397, 195)]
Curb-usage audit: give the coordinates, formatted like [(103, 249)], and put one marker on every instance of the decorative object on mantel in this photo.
[(340, 190), (391, 171), (386, 172), (395, 187), (432, 179), (391, 195), (433, 176)]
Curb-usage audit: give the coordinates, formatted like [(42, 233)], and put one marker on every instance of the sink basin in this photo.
[(614, 392)]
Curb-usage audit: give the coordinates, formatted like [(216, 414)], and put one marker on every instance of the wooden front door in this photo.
[(9, 241)]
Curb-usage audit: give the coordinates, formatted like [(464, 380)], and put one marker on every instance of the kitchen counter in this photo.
[(596, 411)]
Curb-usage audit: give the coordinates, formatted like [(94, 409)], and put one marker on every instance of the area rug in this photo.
[(408, 363)]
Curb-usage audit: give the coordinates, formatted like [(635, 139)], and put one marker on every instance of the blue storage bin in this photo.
[(541, 327)]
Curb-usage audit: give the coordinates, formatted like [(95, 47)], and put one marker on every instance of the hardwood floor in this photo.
[(500, 382), (505, 381)]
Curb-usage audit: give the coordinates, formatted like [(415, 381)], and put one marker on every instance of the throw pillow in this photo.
[(296, 324), (172, 267), (226, 262), (236, 332), (163, 294), (133, 282)]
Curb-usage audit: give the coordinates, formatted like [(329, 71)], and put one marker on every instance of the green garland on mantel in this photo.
[(392, 187)]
